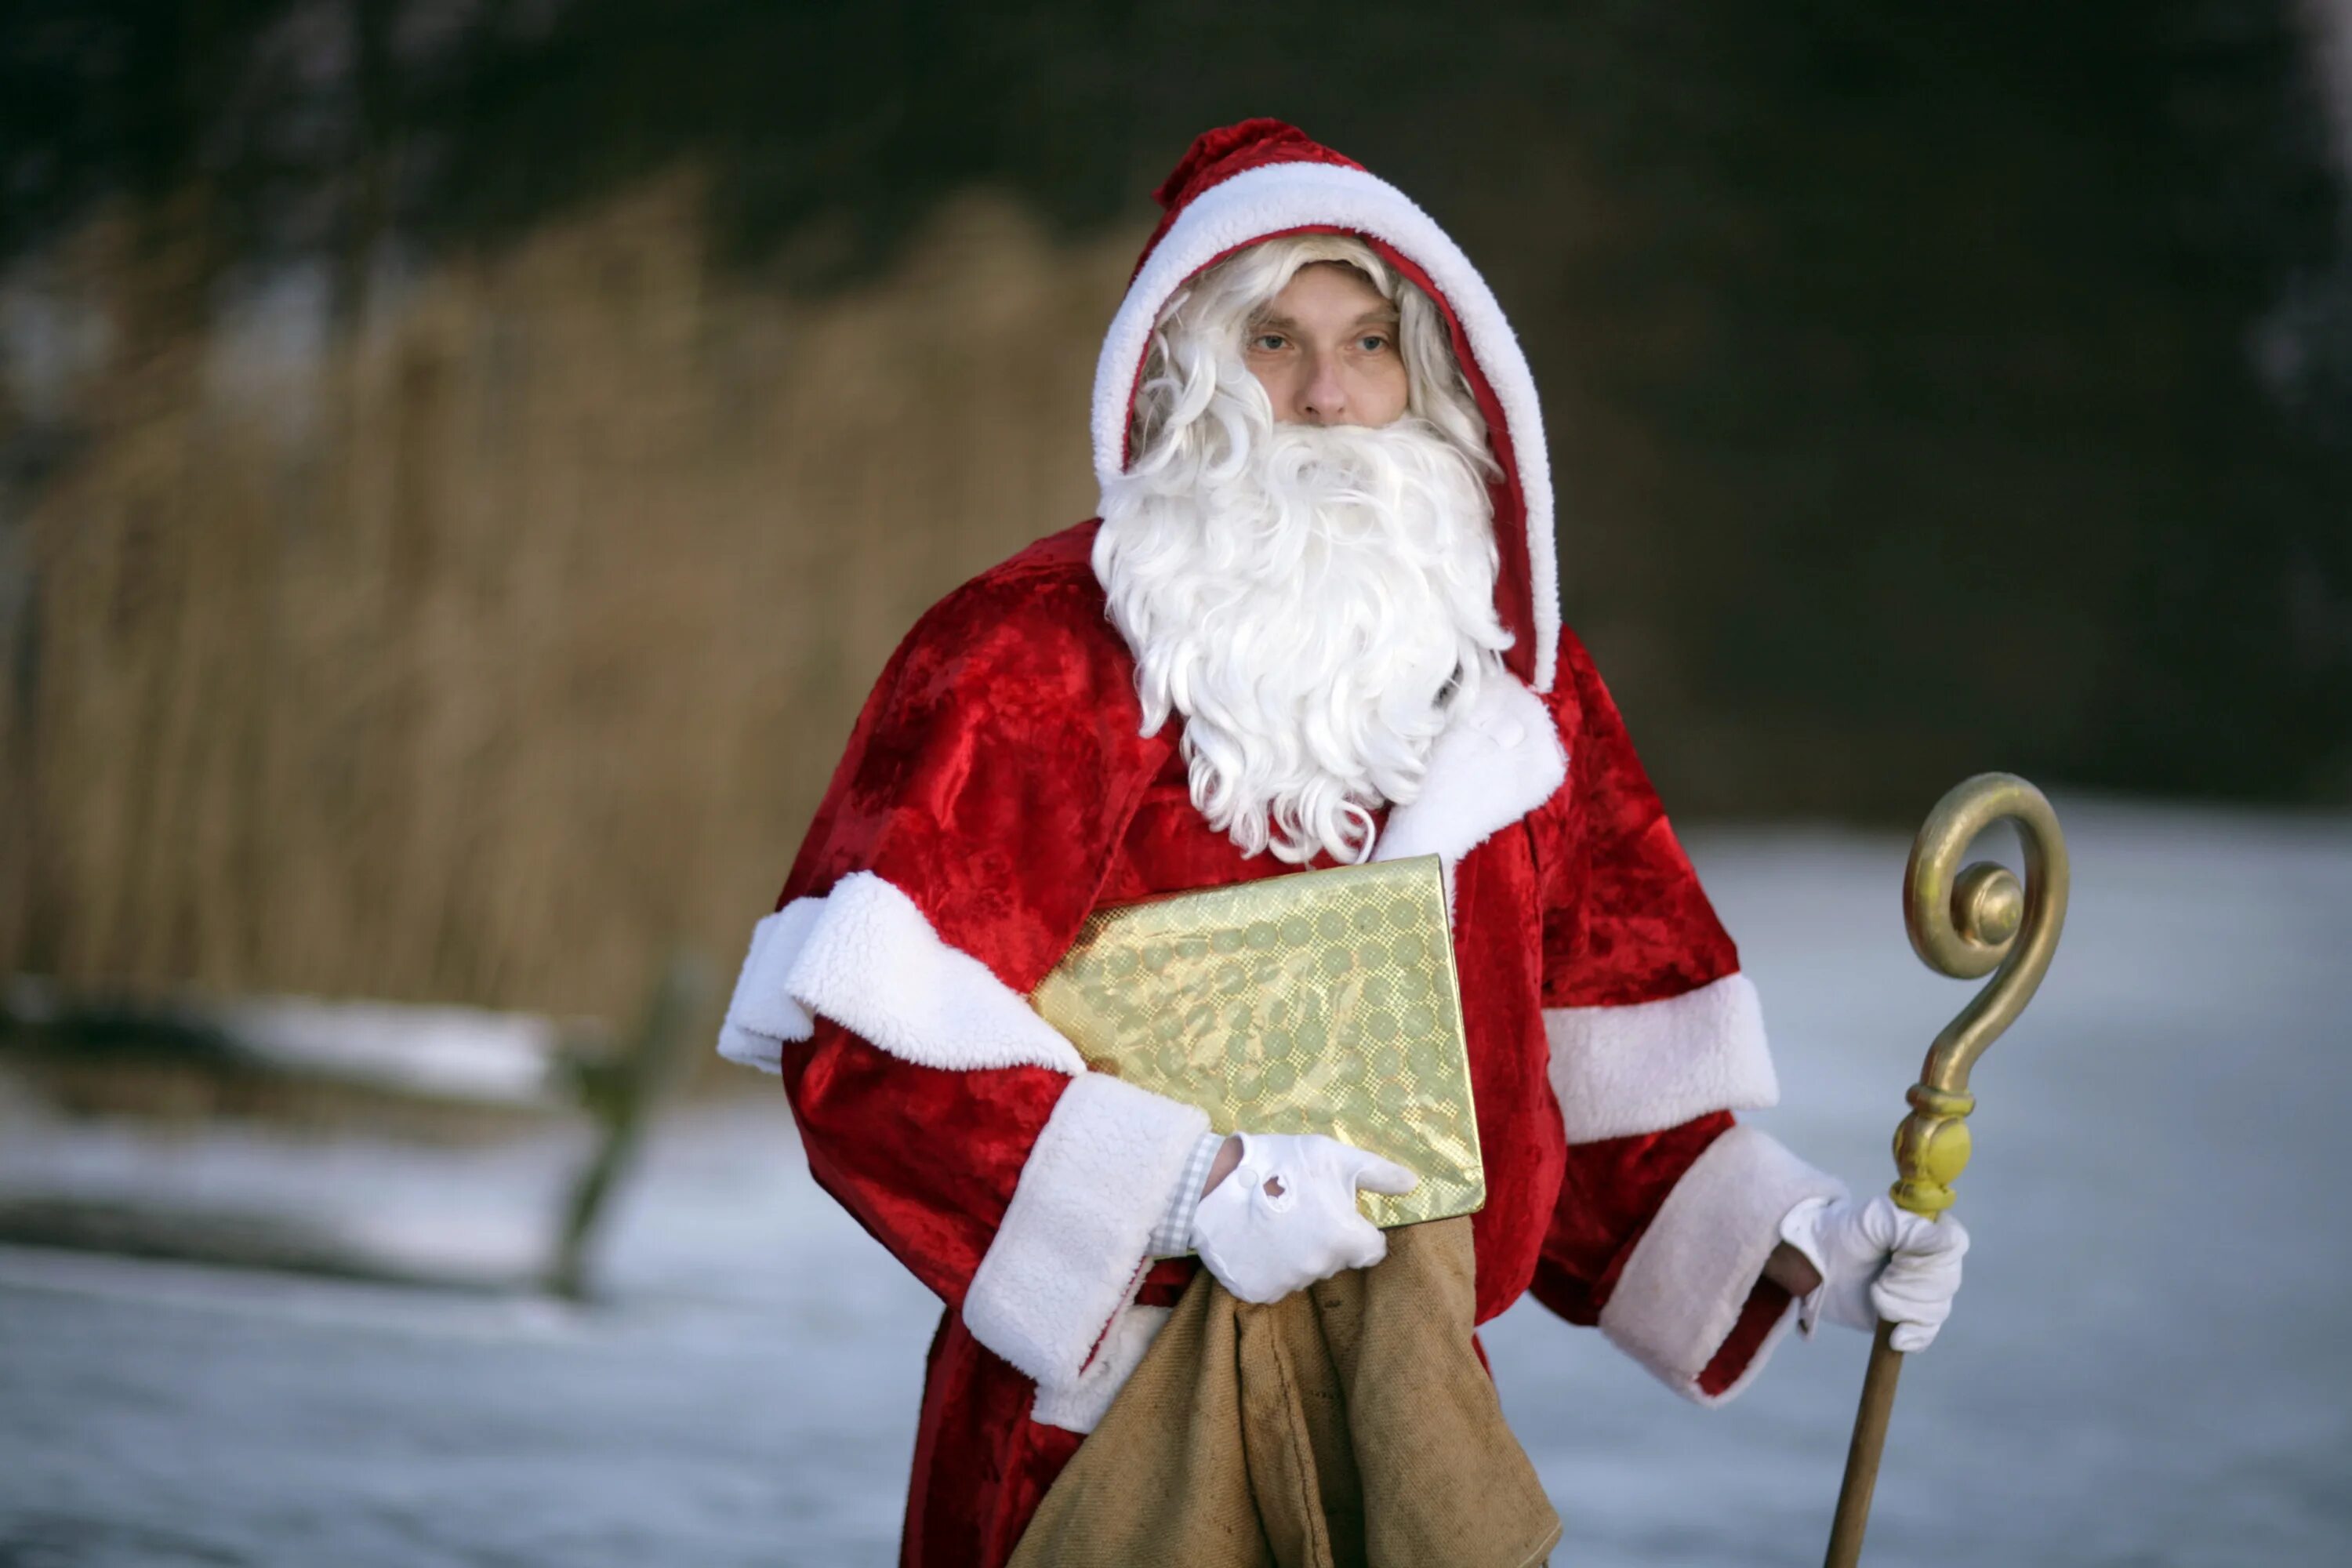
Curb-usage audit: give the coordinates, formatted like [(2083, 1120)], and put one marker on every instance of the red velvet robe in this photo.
[(996, 789)]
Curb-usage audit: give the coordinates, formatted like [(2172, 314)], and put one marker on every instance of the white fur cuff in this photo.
[(1073, 1246), (1694, 1269), (1650, 1066), (763, 1014), (865, 956), (1081, 1406)]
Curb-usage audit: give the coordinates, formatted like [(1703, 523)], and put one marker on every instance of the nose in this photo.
[(1322, 398)]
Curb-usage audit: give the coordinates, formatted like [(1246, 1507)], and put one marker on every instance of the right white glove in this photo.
[(1287, 1215), (1878, 1261)]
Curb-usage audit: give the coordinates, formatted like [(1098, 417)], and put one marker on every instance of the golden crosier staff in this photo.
[(1963, 926)]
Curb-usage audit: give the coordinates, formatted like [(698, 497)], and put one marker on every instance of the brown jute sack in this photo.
[(1348, 1425)]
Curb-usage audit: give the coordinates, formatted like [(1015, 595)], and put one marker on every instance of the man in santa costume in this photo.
[(1318, 622)]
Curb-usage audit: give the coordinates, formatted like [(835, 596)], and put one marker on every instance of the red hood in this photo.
[(1246, 182)]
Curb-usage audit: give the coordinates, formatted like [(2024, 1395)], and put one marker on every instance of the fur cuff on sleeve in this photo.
[(1649, 1066), (763, 1013), (1081, 1406), (1692, 1272), (1073, 1243), (865, 956)]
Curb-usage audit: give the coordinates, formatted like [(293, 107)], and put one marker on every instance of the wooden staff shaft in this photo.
[(1870, 1421)]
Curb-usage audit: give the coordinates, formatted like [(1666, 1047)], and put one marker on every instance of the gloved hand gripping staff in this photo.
[(1973, 923)]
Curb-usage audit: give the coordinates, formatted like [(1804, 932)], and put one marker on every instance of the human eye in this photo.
[(1268, 342), (1373, 343)]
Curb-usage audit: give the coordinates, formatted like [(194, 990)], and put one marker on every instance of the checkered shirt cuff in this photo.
[(1172, 1237)]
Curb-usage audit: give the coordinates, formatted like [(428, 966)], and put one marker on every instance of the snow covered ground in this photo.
[(2149, 1364)]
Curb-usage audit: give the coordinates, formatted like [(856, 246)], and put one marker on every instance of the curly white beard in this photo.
[(1313, 601)]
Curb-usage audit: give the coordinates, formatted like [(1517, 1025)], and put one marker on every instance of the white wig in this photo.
[(1312, 599), (1195, 352)]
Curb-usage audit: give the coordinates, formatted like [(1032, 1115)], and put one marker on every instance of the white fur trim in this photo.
[(1073, 1243), (1269, 200), (1648, 1066), (762, 1014), (1693, 1270), (1496, 763), (1081, 1408), (865, 956)]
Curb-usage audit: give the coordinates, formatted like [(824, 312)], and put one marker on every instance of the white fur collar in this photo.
[(1497, 762)]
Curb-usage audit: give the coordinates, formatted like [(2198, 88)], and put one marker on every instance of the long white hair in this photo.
[(1313, 600), (1195, 352)]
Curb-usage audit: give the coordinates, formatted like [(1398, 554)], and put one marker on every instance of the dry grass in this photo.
[(493, 653)]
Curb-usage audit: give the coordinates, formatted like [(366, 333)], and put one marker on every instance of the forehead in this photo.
[(1328, 290)]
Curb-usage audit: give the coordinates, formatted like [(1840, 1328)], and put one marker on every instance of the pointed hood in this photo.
[(1251, 182)]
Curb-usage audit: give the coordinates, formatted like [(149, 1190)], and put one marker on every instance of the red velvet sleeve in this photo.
[(1625, 922), (987, 781), (992, 770), (1610, 1192), (926, 1159)]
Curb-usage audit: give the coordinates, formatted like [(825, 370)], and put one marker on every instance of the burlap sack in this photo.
[(1348, 1424)]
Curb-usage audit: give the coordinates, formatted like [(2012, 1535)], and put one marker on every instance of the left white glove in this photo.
[(1877, 1262), (1286, 1216)]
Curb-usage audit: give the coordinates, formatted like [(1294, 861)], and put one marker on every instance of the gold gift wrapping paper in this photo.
[(1316, 1002)]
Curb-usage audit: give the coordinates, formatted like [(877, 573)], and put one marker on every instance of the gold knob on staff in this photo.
[(1964, 923)]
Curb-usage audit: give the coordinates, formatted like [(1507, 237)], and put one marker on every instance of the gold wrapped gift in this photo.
[(1318, 1002)]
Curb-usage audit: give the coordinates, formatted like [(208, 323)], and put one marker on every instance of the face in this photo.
[(1325, 349)]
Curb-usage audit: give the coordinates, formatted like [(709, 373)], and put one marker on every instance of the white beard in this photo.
[(1314, 601)]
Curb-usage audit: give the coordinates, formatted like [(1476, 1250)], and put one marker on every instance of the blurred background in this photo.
[(462, 462)]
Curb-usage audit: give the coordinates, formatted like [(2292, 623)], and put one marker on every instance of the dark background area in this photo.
[(1932, 389)]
